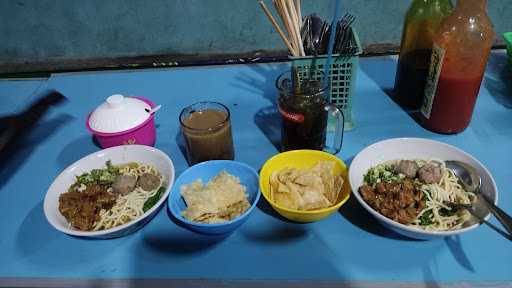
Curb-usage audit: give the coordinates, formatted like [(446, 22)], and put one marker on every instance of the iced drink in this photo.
[(304, 108)]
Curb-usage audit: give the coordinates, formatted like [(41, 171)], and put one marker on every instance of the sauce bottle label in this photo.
[(436, 64)]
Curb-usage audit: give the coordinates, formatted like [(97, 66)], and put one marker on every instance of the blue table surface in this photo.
[(348, 246)]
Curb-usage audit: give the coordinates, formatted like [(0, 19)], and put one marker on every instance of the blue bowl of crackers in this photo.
[(214, 197)]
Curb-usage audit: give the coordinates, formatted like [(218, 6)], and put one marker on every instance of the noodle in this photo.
[(447, 190), (128, 207), (436, 215)]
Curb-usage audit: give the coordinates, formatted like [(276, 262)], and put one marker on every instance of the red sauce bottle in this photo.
[(459, 56)]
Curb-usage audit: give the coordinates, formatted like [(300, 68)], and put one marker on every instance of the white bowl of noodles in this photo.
[(82, 201), (428, 220)]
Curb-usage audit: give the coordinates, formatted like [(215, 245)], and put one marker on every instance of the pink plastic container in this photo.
[(142, 134)]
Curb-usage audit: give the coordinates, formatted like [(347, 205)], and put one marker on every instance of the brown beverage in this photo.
[(207, 134), (305, 110), (304, 122)]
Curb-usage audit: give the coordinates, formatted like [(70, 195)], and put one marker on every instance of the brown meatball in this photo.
[(124, 184), (408, 168), (148, 182), (430, 173)]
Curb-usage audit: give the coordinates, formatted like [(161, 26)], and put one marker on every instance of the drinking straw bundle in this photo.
[(291, 16)]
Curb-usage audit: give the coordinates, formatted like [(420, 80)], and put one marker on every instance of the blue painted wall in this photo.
[(34, 30)]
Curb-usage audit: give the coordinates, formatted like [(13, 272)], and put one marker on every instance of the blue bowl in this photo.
[(205, 171)]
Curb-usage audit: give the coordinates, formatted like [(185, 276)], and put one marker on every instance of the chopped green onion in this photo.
[(426, 218)]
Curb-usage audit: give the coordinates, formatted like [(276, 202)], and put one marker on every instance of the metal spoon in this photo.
[(316, 32), (471, 181)]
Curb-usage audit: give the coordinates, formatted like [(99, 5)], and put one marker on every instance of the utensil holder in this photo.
[(342, 76), (508, 40)]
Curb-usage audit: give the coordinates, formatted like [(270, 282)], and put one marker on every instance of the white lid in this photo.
[(118, 114)]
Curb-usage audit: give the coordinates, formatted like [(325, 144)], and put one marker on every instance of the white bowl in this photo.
[(118, 155), (416, 148)]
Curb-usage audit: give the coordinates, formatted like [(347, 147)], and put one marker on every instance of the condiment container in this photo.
[(123, 120), (422, 20), (459, 55)]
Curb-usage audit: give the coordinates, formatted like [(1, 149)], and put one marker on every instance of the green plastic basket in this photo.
[(508, 39), (342, 76)]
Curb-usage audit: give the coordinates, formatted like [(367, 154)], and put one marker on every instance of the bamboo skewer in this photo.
[(299, 12), (290, 14), (281, 12), (289, 18), (278, 29), (296, 25)]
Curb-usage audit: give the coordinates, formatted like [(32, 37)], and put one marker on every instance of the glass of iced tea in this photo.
[(305, 110), (206, 127)]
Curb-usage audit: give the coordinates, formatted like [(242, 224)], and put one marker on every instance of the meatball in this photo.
[(408, 168), (430, 173), (148, 182), (124, 184)]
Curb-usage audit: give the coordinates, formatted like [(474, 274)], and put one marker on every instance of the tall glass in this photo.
[(304, 110), (206, 127)]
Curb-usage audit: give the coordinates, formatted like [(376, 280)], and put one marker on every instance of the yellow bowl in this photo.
[(303, 159)]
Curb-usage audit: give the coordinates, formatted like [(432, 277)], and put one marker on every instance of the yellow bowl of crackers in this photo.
[(305, 185)]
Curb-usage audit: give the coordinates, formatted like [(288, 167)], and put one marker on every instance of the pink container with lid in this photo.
[(123, 120)]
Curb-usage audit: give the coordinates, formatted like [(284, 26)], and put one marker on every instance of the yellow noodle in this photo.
[(128, 207), (447, 190)]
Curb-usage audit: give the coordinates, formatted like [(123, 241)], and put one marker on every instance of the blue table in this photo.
[(349, 248)]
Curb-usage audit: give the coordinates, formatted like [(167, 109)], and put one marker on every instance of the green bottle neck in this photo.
[(425, 9), (427, 3)]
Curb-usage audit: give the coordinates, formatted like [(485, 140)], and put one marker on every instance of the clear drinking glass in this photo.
[(305, 109), (206, 127)]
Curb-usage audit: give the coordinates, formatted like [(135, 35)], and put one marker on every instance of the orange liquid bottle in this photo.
[(460, 52)]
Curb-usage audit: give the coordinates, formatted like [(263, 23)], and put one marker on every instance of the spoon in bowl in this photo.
[(471, 181)]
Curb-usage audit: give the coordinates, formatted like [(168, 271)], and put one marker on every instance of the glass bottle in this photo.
[(421, 23), (459, 56)]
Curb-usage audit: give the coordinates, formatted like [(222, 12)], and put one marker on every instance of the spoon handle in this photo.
[(501, 215)]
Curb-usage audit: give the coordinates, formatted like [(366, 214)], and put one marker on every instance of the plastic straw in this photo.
[(331, 39)]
